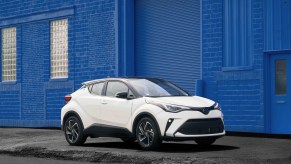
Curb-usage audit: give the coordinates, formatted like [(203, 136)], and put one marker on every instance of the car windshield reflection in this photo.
[(156, 88)]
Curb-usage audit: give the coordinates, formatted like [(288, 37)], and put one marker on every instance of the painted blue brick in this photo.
[(238, 91), (35, 99)]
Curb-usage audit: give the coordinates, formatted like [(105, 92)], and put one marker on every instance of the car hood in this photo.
[(191, 101)]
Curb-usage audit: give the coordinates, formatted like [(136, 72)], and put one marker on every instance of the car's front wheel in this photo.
[(74, 131), (205, 141), (147, 134)]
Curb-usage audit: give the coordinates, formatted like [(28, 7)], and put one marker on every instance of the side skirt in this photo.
[(101, 130)]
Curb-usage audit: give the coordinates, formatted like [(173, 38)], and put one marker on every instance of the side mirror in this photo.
[(122, 95), (130, 97)]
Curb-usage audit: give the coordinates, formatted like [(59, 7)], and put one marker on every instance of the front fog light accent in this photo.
[(170, 121)]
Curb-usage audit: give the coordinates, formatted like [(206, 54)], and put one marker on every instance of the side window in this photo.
[(96, 89), (115, 87)]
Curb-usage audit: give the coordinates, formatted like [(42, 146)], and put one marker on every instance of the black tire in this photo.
[(74, 131), (147, 134), (205, 141)]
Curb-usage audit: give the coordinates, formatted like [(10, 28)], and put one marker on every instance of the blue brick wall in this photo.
[(239, 90), (10, 105), (94, 40), (241, 104), (212, 46), (35, 99), (54, 102), (35, 39)]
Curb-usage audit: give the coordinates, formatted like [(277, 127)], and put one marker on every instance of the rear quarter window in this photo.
[(96, 89)]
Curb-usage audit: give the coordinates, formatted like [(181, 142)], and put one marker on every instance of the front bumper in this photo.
[(191, 124)]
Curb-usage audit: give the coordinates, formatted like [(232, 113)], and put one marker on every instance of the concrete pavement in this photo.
[(51, 144)]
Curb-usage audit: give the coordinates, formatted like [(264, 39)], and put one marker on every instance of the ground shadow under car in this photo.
[(165, 147)]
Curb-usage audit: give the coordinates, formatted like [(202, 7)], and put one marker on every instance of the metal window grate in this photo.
[(9, 54), (59, 48)]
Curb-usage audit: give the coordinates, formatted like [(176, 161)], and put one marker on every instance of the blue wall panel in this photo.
[(278, 24), (237, 33), (167, 41)]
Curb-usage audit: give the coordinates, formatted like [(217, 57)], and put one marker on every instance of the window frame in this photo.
[(90, 87), (233, 59), (280, 91), (67, 50), (130, 88)]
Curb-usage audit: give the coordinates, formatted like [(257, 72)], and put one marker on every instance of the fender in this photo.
[(67, 115), (144, 114)]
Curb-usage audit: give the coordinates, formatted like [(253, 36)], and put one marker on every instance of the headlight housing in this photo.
[(216, 106), (170, 107), (178, 108)]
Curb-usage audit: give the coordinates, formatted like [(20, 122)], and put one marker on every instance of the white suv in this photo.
[(148, 110)]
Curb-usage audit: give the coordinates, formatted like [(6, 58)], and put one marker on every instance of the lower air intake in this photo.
[(202, 126)]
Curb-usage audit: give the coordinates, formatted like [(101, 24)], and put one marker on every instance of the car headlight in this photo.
[(216, 106), (170, 107)]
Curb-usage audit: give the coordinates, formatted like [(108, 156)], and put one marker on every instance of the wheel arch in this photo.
[(142, 115), (69, 114)]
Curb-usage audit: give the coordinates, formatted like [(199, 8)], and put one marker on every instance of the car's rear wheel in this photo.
[(74, 131), (205, 141), (147, 134)]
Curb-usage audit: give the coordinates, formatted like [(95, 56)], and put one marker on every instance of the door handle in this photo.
[(280, 102), (103, 102)]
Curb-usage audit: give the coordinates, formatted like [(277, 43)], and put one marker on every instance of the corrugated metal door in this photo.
[(167, 40)]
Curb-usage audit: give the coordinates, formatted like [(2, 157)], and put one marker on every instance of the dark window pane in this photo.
[(281, 85), (115, 87)]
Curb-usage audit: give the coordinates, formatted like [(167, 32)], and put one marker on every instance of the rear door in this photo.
[(90, 101)]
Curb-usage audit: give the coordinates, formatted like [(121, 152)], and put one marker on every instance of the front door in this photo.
[(115, 111), (280, 93)]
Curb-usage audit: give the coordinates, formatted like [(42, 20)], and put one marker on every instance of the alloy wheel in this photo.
[(72, 130), (145, 133)]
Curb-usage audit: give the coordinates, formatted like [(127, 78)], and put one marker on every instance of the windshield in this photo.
[(156, 88)]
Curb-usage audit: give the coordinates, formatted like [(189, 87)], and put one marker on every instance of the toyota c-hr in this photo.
[(148, 110)]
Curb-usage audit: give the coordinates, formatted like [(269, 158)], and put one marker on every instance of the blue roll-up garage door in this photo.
[(167, 40)]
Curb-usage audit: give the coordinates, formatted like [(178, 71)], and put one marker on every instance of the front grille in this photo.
[(202, 126)]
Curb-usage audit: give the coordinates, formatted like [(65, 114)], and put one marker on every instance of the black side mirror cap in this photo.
[(130, 97), (122, 95)]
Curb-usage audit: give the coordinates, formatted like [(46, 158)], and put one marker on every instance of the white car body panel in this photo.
[(115, 111)]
